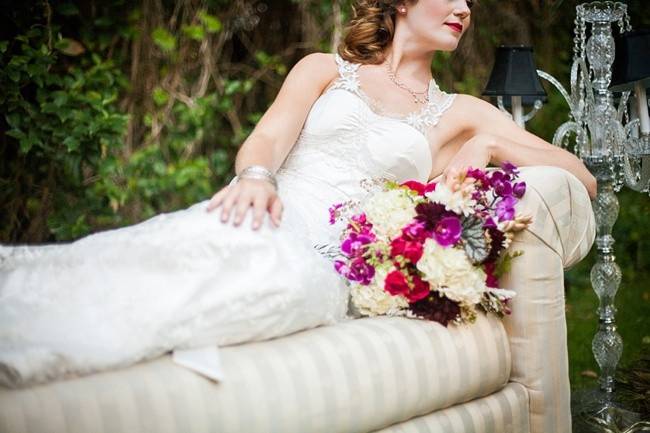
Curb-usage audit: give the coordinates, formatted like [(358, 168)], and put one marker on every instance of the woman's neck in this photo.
[(409, 59)]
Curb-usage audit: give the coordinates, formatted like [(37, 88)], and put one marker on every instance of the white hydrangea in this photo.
[(456, 201), (389, 211), (450, 271), (373, 300)]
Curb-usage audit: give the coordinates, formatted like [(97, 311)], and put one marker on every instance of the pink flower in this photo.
[(411, 250), (416, 231), (447, 231), (396, 284)]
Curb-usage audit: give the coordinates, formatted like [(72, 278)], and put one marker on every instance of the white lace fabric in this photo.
[(184, 280)]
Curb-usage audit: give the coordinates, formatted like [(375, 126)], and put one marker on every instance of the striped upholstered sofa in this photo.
[(365, 375)]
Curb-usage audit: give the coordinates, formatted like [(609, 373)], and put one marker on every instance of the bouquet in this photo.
[(431, 251)]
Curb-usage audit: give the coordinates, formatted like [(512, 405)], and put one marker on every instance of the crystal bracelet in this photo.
[(257, 172)]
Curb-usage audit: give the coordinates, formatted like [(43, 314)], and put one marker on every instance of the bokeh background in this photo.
[(115, 110)]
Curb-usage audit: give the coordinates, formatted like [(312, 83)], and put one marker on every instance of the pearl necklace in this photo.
[(418, 100)]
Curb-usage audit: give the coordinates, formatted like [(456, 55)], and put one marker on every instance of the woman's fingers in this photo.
[(259, 209), (275, 210), (241, 207), (216, 199), (227, 204)]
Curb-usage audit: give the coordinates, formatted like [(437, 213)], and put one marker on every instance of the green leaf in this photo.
[(212, 24), (232, 87), (474, 242), (71, 143), (3, 46), (165, 40), (194, 32), (160, 96)]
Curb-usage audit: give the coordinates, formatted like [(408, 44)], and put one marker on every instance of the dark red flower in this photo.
[(491, 280), (430, 213), (437, 308)]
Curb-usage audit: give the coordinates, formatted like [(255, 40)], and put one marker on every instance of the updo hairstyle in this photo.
[(370, 31)]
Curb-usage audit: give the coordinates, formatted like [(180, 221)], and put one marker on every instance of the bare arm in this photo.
[(272, 139), (276, 132), (497, 138)]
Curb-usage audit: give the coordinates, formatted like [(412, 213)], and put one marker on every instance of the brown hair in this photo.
[(370, 31)]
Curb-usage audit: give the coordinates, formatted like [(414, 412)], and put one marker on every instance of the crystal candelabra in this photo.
[(615, 148)]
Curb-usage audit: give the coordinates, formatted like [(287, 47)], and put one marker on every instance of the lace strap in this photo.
[(348, 75)]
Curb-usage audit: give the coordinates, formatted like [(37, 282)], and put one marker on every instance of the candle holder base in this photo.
[(596, 411)]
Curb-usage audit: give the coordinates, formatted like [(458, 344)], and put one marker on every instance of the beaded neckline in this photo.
[(420, 119)]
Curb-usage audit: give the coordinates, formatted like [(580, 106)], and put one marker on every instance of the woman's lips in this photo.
[(456, 27)]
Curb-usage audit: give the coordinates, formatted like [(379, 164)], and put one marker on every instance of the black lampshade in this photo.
[(632, 61), (515, 74)]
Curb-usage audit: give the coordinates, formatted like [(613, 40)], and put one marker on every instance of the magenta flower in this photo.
[(353, 245), (416, 231), (505, 208), (448, 230), (357, 270), (334, 212), (510, 168), (361, 272), (502, 188), (519, 189)]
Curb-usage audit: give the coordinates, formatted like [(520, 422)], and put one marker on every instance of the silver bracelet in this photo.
[(258, 172)]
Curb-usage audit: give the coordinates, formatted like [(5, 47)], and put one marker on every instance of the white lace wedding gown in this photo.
[(184, 280)]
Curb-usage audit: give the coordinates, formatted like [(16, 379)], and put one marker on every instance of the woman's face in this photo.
[(439, 23)]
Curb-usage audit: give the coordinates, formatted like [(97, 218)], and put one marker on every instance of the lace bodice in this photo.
[(346, 140)]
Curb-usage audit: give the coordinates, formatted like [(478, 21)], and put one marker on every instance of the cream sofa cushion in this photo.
[(357, 376)]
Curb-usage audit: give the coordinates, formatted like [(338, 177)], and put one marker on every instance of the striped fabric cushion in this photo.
[(505, 411), (563, 218), (357, 376)]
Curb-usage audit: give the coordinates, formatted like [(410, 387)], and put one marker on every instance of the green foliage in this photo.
[(64, 119)]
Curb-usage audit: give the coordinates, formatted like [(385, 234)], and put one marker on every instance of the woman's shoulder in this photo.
[(469, 109), (319, 68), (321, 64)]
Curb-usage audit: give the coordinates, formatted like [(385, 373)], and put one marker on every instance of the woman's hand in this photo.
[(475, 153), (241, 196)]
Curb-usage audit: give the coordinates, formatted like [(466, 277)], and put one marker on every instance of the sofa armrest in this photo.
[(560, 235)]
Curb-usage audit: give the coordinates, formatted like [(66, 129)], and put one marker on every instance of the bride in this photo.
[(242, 265)]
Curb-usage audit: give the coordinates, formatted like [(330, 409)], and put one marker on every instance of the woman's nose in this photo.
[(462, 10)]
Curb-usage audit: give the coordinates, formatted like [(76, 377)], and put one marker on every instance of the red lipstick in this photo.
[(456, 26)]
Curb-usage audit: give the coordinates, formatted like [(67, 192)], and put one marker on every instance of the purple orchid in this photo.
[(510, 168), (361, 272), (502, 188), (519, 189), (448, 230), (505, 208), (353, 245)]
